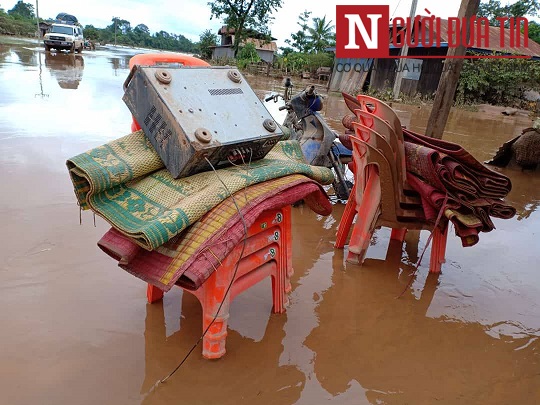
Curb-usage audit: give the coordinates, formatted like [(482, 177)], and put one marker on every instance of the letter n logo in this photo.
[(362, 31)]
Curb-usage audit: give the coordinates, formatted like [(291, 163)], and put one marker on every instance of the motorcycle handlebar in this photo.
[(283, 107), (268, 98)]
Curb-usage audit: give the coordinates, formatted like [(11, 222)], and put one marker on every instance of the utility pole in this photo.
[(404, 52), (444, 98), (37, 17)]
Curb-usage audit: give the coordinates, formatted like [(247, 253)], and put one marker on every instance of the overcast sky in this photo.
[(191, 17)]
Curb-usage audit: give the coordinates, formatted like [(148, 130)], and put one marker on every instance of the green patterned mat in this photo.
[(124, 182)]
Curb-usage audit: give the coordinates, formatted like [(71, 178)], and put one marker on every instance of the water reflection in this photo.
[(67, 68), (525, 194), (399, 354), (249, 370), (26, 56), (120, 63)]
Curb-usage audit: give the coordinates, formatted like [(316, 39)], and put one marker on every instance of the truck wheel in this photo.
[(72, 50), (80, 49), (47, 48)]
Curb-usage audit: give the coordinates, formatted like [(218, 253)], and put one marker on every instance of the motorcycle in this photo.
[(317, 140)]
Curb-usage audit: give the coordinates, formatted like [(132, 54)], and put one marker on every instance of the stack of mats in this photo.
[(152, 214), (189, 258), (443, 171)]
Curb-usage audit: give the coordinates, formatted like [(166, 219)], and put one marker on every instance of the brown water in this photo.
[(77, 330)]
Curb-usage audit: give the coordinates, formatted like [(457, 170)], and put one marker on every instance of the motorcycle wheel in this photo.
[(342, 190)]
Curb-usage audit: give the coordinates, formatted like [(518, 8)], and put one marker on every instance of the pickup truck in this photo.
[(64, 37)]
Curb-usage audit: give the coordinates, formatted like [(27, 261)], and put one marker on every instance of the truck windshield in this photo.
[(57, 29)]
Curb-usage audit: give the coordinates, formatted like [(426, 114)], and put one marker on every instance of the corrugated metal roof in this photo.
[(258, 45), (266, 46)]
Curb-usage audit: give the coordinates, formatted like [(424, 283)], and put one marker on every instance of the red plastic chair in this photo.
[(380, 196), (150, 59), (267, 253)]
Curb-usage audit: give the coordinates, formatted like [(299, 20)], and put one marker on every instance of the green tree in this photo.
[(23, 10), (121, 26), (249, 52), (207, 40), (286, 50), (91, 32), (497, 81), (321, 35), (534, 31), (493, 9), (244, 14), (299, 40), (142, 29)]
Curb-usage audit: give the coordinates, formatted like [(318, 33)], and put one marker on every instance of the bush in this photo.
[(297, 62), (497, 81), (10, 25)]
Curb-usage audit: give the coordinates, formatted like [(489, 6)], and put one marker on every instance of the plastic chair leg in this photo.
[(368, 212), (287, 270), (438, 250), (346, 220), (153, 293), (211, 299)]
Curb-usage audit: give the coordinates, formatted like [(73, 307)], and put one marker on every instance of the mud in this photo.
[(76, 328)]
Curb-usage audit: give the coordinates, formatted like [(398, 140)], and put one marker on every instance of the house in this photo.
[(422, 69), (43, 28), (266, 50)]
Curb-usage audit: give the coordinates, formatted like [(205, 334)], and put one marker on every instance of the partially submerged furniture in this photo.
[(381, 195), (266, 252)]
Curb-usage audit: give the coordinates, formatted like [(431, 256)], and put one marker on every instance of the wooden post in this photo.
[(444, 98), (37, 18), (404, 52)]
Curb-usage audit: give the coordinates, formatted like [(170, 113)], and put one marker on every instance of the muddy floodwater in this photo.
[(76, 329)]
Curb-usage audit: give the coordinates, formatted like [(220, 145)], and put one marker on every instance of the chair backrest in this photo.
[(360, 166), (373, 162), (385, 130), (377, 141), (382, 110)]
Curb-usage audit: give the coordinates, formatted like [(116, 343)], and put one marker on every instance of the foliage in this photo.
[(493, 9), (286, 50), (497, 81), (299, 40), (139, 37), (534, 31), (321, 35), (317, 60), (296, 62), (248, 51), (22, 10), (11, 24), (206, 41), (16, 22), (246, 55), (244, 15), (91, 32)]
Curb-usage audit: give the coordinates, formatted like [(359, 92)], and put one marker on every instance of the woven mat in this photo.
[(191, 257), (125, 183)]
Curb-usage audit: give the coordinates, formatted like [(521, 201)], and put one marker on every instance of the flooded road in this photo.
[(76, 329)]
